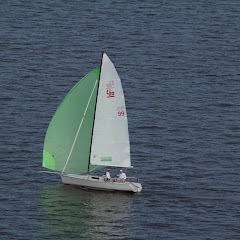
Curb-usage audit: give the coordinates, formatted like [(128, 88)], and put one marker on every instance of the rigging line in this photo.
[(80, 125), (95, 167), (51, 172), (132, 183), (132, 187)]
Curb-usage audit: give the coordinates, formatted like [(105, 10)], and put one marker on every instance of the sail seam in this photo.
[(80, 125)]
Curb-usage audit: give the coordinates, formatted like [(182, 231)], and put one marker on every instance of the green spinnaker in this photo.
[(64, 125)]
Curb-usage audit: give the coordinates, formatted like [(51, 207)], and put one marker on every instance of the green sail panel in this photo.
[(64, 125)]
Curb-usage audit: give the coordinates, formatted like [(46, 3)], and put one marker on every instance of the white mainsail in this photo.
[(110, 140)]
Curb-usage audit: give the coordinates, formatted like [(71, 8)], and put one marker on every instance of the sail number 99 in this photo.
[(120, 111)]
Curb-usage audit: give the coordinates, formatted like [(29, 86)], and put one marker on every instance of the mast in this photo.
[(95, 113)]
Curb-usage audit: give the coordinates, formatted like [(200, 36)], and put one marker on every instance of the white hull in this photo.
[(99, 183)]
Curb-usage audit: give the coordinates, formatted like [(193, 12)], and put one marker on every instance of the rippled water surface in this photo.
[(179, 62)]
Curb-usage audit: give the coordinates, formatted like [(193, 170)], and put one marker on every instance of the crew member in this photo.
[(122, 175), (108, 176)]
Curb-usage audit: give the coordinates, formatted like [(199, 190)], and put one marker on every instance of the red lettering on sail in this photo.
[(121, 111), (110, 89)]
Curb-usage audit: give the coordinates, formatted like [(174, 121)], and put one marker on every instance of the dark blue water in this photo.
[(179, 62)]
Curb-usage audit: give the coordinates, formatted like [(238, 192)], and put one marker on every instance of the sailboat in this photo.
[(89, 131)]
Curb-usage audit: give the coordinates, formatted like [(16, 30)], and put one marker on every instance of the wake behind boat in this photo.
[(89, 131)]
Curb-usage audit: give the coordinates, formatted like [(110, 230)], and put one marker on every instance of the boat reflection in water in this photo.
[(84, 214)]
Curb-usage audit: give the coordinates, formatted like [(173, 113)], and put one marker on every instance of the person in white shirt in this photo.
[(108, 176), (122, 175)]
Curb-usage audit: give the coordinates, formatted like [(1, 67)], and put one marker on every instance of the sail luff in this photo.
[(79, 128), (95, 112)]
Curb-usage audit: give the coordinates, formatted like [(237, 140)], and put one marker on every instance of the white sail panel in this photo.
[(110, 141)]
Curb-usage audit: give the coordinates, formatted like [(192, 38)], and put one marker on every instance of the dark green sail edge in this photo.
[(64, 125)]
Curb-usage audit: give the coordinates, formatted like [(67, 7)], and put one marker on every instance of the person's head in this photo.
[(121, 171), (109, 170)]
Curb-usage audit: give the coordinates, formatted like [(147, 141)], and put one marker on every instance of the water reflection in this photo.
[(71, 213)]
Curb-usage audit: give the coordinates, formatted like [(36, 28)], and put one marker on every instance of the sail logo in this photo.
[(110, 89), (121, 111), (106, 159)]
